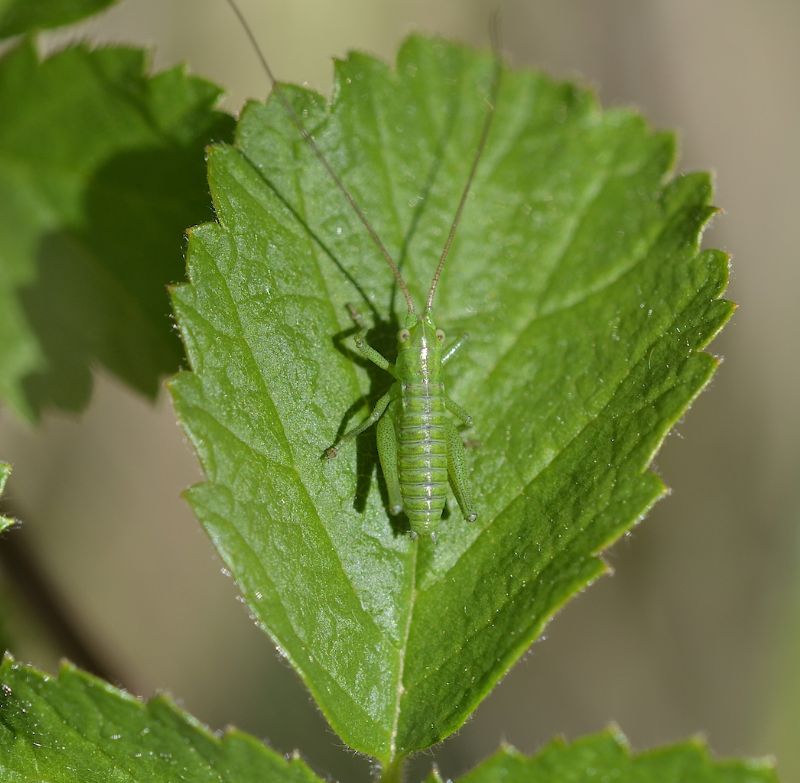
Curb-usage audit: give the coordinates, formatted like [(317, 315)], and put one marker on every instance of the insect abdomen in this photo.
[(422, 454)]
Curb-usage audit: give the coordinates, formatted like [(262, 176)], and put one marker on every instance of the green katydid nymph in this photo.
[(419, 446)]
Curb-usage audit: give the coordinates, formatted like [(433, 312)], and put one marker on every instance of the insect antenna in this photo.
[(298, 123), (487, 124)]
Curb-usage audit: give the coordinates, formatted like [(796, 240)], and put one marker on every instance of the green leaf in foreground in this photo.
[(23, 16), (605, 758), (577, 273), (76, 728), (5, 472), (101, 169)]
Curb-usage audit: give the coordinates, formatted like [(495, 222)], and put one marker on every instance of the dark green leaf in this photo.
[(101, 169), (78, 729), (24, 16), (606, 758), (576, 271)]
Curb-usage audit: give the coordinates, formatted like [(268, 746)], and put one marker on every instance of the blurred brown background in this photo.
[(699, 630)]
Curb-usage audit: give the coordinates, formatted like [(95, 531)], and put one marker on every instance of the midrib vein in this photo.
[(402, 650)]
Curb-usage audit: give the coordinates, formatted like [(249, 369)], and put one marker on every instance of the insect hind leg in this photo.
[(457, 473), (387, 453)]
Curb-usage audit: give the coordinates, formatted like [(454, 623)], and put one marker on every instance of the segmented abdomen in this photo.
[(422, 454)]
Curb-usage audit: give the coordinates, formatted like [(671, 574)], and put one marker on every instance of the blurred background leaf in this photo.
[(23, 16), (93, 216)]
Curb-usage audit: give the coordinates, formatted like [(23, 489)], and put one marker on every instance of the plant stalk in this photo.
[(393, 771)]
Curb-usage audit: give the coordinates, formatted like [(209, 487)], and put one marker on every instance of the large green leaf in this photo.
[(605, 758), (22, 16), (78, 729), (101, 169), (577, 272)]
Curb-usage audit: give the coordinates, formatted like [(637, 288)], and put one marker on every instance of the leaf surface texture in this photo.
[(76, 728)]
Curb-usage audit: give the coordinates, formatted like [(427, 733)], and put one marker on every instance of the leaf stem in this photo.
[(393, 771)]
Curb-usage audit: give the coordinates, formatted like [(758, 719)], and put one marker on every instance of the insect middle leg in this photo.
[(458, 411)]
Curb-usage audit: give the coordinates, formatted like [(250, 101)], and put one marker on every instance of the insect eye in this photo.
[(404, 335), (440, 335)]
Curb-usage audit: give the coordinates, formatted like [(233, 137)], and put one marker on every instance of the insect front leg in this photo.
[(377, 412), (457, 473), (451, 351), (364, 348), (387, 453)]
